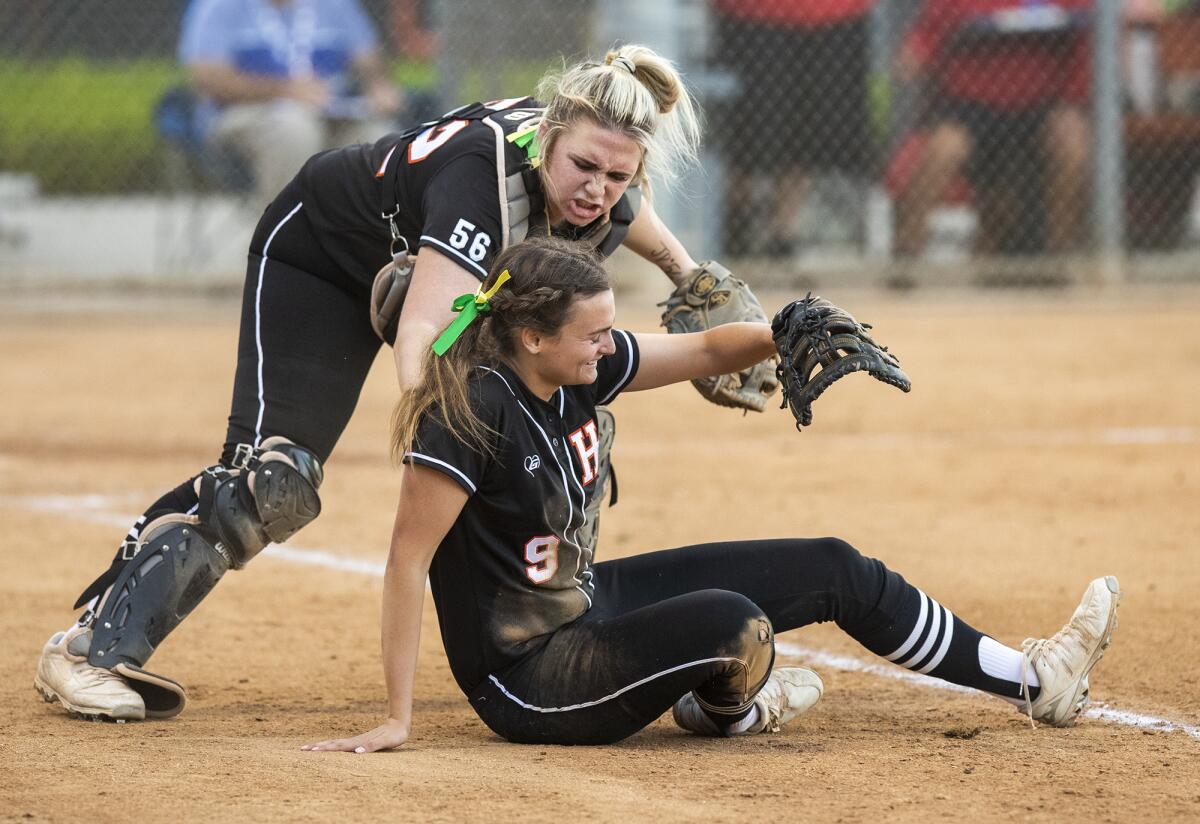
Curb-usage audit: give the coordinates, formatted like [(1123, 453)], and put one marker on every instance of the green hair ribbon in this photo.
[(468, 308), (526, 138)]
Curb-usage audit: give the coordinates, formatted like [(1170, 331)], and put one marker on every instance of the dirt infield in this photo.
[(1046, 441)]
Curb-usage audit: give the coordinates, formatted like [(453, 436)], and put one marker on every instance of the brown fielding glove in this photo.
[(820, 343), (713, 296)]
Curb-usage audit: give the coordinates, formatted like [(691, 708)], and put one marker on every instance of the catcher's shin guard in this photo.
[(173, 571), (178, 559), (267, 499)]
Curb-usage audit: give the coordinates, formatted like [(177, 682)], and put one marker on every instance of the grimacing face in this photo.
[(588, 169)]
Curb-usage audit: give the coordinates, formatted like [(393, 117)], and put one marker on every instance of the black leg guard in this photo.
[(176, 559), (177, 567), (269, 499), (180, 499)]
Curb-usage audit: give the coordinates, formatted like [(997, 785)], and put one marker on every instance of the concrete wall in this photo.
[(153, 240)]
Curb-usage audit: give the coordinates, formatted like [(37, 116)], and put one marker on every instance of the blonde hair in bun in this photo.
[(636, 91)]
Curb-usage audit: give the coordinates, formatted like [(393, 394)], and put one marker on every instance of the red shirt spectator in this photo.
[(957, 44), (794, 13)]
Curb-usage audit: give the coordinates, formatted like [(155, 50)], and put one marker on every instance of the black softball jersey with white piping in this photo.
[(511, 569), (457, 184)]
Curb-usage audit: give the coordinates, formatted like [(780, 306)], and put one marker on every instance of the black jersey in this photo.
[(457, 185), (511, 568)]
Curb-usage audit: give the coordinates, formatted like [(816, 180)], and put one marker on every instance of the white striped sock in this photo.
[(932, 619), (1003, 662)]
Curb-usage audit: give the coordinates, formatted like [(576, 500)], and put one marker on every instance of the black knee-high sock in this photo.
[(922, 635)]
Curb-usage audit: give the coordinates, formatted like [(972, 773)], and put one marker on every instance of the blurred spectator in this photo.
[(1006, 83), (284, 79), (1162, 126), (801, 107)]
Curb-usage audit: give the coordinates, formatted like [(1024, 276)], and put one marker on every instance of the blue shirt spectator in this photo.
[(295, 38), (283, 79)]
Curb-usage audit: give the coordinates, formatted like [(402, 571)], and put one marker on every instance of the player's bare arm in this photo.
[(436, 281), (650, 238), (429, 504), (667, 359), (383, 97), (228, 85)]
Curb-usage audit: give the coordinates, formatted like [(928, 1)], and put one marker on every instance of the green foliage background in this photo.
[(86, 127), (81, 126)]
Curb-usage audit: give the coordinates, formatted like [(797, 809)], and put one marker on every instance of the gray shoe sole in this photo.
[(119, 715)]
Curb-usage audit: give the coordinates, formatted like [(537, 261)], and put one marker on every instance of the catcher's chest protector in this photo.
[(524, 207)]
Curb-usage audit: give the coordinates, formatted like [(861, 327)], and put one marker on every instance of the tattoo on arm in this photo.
[(666, 261)]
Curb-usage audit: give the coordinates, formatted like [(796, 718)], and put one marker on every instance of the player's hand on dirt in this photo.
[(386, 736)]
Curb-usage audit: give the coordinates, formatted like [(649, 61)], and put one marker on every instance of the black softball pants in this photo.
[(665, 623), (305, 347), (306, 342)]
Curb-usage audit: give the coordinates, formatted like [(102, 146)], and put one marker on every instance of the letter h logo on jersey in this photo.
[(587, 445)]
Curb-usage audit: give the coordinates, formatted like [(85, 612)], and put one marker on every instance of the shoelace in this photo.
[(1028, 647), (1043, 646), (90, 676), (97, 676), (772, 704), (771, 722)]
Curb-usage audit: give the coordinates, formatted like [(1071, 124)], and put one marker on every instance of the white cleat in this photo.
[(1062, 663), (94, 693), (788, 692)]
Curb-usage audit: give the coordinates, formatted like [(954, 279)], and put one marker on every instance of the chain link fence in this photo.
[(900, 142)]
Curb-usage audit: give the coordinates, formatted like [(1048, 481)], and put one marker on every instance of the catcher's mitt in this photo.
[(820, 343), (711, 298)]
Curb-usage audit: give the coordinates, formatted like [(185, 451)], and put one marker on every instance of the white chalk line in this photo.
[(848, 663), (99, 509), (103, 509), (323, 558)]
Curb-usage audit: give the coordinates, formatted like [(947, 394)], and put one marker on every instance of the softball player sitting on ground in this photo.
[(329, 269), (499, 442)]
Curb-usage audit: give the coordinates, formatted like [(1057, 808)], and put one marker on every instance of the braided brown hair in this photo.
[(547, 276)]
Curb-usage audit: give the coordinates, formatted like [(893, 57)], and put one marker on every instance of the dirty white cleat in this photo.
[(1062, 663), (788, 692), (64, 675)]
